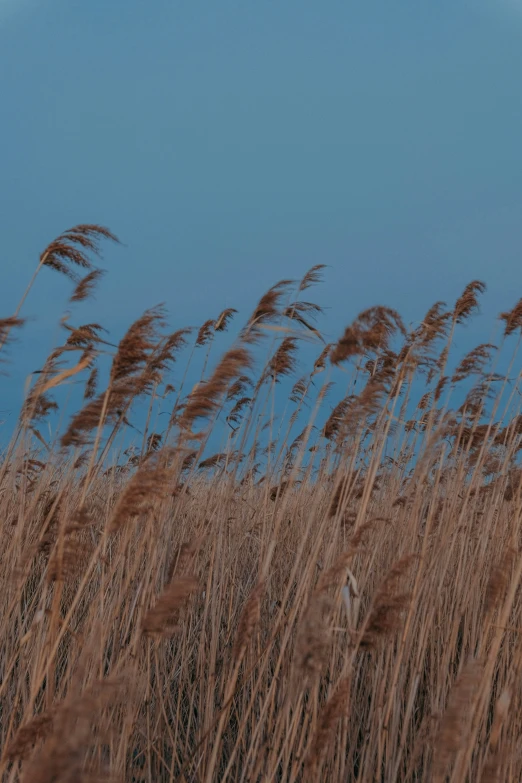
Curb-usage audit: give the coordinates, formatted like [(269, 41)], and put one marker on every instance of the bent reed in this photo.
[(221, 567)]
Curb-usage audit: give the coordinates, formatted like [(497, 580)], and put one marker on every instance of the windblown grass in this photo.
[(334, 594)]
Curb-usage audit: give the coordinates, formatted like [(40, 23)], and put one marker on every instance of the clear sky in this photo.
[(230, 144)]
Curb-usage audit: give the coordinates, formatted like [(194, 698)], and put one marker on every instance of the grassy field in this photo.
[(333, 595)]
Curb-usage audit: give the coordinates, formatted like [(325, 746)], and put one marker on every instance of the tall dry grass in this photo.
[(338, 604)]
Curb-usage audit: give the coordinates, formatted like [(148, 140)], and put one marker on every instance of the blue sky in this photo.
[(230, 144)]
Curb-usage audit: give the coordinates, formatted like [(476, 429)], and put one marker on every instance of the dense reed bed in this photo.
[(219, 569)]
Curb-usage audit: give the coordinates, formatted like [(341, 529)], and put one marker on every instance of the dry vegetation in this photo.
[(333, 595)]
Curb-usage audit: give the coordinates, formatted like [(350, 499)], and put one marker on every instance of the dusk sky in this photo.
[(229, 144)]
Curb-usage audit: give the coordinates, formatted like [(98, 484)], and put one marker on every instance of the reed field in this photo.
[(219, 567)]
